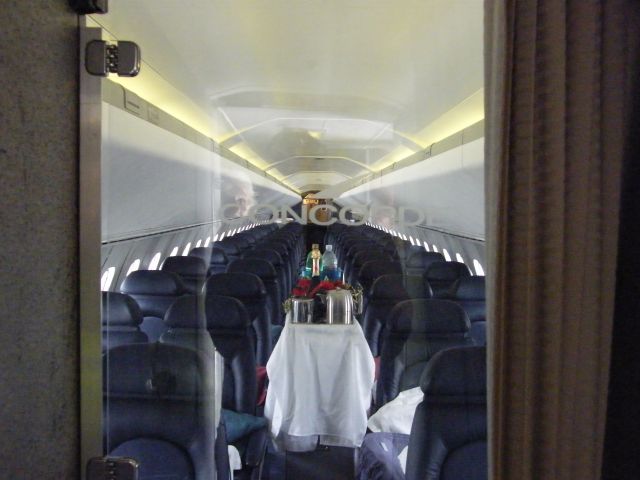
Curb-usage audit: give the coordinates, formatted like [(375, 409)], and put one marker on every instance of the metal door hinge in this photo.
[(103, 58), (85, 7), (112, 468)]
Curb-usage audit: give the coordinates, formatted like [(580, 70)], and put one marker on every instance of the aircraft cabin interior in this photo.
[(320, 240)]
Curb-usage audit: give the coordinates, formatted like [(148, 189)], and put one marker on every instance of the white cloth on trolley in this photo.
[(320, 380)]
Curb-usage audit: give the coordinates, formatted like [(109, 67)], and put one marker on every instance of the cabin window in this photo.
[(186, 250), (174, 252), (198, 243), (134, 266), (426, 247), (435, 249), (478, 268), (155, 261), (411, 240), (207, 241), (107, 278), (459, 258), (215, 237), (447, 257)]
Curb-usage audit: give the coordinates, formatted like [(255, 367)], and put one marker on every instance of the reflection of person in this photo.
[(237, 190)]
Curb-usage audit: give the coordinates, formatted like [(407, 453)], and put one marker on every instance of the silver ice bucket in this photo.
[(339, 307), (302, 310)]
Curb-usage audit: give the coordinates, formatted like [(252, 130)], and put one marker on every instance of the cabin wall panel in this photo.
[(448, 188), (155, 180), (39, 248)]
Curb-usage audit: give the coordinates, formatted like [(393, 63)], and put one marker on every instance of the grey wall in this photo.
[(38, 240)]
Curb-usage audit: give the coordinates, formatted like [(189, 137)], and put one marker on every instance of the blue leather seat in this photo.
[(191, 270), (199, 324), (415, 331), (274, 259), (283, 250), (346, 263), (448, 438), (269, 277), (154, 291), (418, 262), (249, 289), (159, 409), (362, 256), (385, 293), (214, 257), (370, 271), (469, 293), (443, 275), (230, 249), (121, 319)]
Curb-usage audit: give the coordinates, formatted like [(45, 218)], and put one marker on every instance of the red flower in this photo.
[(304, 283)]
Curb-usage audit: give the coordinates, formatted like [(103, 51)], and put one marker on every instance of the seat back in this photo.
[(386, 292), (201, 323), (274, 259), (154, 291), (355, 263), (418, 262), (469, 293), (417, 330), (121, 319), (371, 270), (443, 275), (448, 438), (214, 257), (159, 408), (191, 270), (249, 289), (269, 277), (231, 249)]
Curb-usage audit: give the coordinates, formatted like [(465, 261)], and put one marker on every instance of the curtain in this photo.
[(557, 83)]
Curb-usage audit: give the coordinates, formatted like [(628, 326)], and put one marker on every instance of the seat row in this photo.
[(255, 273)]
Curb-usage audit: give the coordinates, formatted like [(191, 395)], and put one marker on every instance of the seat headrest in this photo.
[(210, 255), (152, 282), (375, 268), (235, 284), (422, 259), (398, 286), (361, 258), (186, 312), (456, 372), (429, 316), (447, 271), (157, 371), (191, 266), (225, 313), (470, 288), (228, 247), (120, 310), (257, 266), (267, 254)]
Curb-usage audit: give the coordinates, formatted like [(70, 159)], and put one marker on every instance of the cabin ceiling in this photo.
[(314, 92)]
